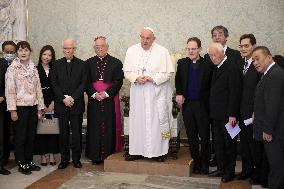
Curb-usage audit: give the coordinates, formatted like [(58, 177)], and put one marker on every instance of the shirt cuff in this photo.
[(94, 95)]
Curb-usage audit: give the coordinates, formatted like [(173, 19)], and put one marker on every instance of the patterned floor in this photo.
[(106, 180)]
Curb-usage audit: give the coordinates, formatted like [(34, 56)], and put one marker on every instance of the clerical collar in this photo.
[(225, 48), (102, 58), (68, 61), (219, 65), (269, 67), (194, 61)]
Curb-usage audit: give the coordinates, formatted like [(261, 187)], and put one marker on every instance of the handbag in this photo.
[(48, 126)]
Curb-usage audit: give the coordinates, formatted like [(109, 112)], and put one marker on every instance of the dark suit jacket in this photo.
[(3, 69), (225, 91), (73, 85), (112, 74), (47, 91), (181, 79), (249, 82), (233, 54), (269, 105), (279, 59)]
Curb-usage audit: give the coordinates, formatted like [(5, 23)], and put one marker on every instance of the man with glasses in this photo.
[(68, 78), (149, 68), (105, 78), (192, 83), (254, 161)]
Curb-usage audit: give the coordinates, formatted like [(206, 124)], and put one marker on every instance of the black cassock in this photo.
[(103, 75)]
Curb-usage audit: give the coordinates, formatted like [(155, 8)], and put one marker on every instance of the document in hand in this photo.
[(233, 131), (49, 113)]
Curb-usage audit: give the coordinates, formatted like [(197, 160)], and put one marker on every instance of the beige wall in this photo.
[(173, 20)]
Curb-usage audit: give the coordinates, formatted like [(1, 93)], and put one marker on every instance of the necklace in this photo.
[(145, 56)]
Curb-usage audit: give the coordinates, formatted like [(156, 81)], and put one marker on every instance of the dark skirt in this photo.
[(46, 144)]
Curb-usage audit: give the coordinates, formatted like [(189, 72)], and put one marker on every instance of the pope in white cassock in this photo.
[(149, 68)]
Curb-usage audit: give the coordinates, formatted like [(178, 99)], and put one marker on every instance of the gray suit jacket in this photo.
[(269, 105)]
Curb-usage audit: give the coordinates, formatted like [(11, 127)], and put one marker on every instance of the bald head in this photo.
[(216, 53), (147, 38), (69, 48)]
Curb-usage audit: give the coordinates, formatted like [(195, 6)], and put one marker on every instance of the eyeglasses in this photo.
[(244, 46)]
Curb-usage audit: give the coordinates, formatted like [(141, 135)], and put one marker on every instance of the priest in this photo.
[(149, 68), (105, 78)]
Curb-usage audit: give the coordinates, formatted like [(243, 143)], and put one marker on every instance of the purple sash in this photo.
[(101, 86)]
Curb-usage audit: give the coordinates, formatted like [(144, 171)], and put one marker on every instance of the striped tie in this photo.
[(246, 67)]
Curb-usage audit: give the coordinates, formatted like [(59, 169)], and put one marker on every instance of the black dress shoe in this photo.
[(5, 161), (243, 176), (4, 171), (34, 167), (226, 178), (97, 162), (160, 158), (216, 173), (264, 185), (254, 181), (213, 162), (132, 157), (77, 164), (24, 168), (204, 170), (196, 169), (63, 164)]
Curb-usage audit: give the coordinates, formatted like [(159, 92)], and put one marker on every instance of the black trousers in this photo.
[(25, 131), (7, 126), (225, 148), (2, 143), (196, 120), (5, 121), (73, 123), (251, 150), (275, 154)]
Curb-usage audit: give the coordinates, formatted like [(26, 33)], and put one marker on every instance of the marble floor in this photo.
[(94, 176)]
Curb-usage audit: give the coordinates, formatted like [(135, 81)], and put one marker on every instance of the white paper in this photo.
[(233, 131), (248, 121), (49, 113)]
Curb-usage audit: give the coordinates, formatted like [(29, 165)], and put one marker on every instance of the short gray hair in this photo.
[(217, 46)]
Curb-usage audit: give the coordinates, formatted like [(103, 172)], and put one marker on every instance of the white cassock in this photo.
[(150, 103)]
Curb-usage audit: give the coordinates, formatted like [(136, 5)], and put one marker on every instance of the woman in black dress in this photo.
[(46, 144)]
